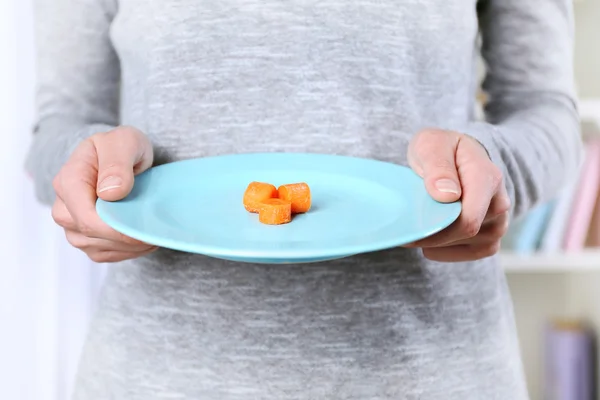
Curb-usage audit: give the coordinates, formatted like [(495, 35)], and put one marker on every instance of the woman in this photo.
[(126, 84)]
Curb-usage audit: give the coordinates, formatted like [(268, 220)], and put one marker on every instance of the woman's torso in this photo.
[(352, 77), (347, 77)]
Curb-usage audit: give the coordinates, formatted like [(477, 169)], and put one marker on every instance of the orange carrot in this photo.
[(298, 194), (256, 193), (275, 212)]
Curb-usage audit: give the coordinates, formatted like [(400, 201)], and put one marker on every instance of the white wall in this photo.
[(15, 293), (47, 289)]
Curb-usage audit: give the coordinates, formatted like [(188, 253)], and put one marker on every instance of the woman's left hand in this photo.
[(456, 166)]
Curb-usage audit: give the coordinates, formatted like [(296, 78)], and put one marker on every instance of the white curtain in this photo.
[(47, 289)]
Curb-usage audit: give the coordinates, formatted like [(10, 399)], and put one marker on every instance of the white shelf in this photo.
[(587, 260)]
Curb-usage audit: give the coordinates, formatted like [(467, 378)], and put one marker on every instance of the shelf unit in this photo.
[(584, 261)]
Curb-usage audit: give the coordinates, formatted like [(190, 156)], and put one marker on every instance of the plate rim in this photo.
[(103, 211)]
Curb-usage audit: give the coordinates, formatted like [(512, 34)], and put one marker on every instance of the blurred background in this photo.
[(48, 290)]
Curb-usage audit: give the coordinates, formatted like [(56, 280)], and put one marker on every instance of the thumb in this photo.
[(122, 153), (432, 155)]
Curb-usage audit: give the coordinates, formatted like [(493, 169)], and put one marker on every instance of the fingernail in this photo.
[(112, 182), (447, 186)]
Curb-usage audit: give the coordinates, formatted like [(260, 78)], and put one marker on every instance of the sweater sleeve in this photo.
[(77, 83), (532, 126)]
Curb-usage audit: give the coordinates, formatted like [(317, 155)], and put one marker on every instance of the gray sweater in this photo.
[(353, 77)]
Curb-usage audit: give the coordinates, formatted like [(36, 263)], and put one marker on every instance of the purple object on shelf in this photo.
[(570, 362)]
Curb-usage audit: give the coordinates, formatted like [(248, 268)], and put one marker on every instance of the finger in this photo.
[(122, 153), (461, 252), (61, 215), (85, 243), (500, 205), (480, 180), (80, 203), (76, 186), (116, 256), (491, 231), (431, 154)]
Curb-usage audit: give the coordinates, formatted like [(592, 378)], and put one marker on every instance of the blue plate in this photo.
[(358, 206)]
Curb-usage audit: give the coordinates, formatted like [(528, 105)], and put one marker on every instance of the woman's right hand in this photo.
[(102, 166)]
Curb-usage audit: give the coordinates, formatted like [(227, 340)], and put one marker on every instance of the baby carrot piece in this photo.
[(275, 212), (256, 193), (298, 194)]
